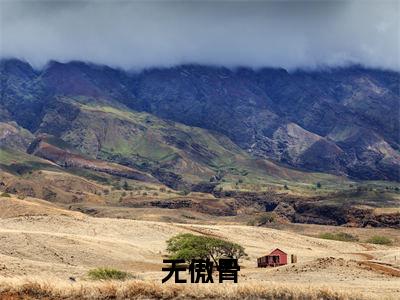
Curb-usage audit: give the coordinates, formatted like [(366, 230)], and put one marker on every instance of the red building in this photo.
[(274, 259)]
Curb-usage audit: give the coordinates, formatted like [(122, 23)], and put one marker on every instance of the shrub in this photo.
[(380, 240), (126, 186), (251, 222), (5, 195), (107, 274), (318, 185), (264, 218), (338, 236), (185, 192)]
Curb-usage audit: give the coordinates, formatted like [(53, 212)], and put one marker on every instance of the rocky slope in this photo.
[(342, 121), (41, 147)]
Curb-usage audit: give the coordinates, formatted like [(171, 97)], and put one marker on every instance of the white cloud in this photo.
[(135, 34)]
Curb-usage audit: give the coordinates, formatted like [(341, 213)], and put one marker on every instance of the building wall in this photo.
[(282, 256)]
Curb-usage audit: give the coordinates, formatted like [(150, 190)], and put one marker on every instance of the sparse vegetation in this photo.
[(5, 194), (185, 192), (49, 195), (262, 219), (338, 236), (126, 186), (137, 289), (188, 217), (107, 274), (380, 240)]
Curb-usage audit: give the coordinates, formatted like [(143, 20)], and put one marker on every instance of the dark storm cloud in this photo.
[(135, 34)]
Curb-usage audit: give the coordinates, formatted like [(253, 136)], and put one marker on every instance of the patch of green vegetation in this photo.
[(107, 274), (59, 143), (188, 246), (8, 156), (19, 163), (149, 143), (5, 195), (380, 240), (184, 192), (338, 236), (27, 167), (91, 175)]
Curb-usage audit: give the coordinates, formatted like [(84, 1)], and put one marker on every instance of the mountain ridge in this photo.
[(340, 121)]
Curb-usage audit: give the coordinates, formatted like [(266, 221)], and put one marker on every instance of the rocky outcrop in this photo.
[(225, 207), (314, 210), (14, 137)]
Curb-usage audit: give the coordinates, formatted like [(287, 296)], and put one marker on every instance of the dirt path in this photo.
[(367, 247), (381, 268), (365, 256), (201, 231)]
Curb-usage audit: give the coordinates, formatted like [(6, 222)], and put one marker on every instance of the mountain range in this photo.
[(204, 121)]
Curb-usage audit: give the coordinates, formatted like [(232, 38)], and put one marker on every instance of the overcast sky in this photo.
[(135, 34)]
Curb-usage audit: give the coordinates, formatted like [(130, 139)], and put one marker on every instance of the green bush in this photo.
[(107, 274), (338, 236), (5, 195), (380, 240), (184, 192), (266, 217), (251, 222)]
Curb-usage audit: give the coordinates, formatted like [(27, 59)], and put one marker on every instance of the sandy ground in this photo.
[(39, 239)]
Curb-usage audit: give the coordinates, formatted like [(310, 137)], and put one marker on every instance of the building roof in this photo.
[(277, 249)]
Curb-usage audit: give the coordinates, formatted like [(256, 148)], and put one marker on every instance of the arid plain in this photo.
[(44, 243)]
